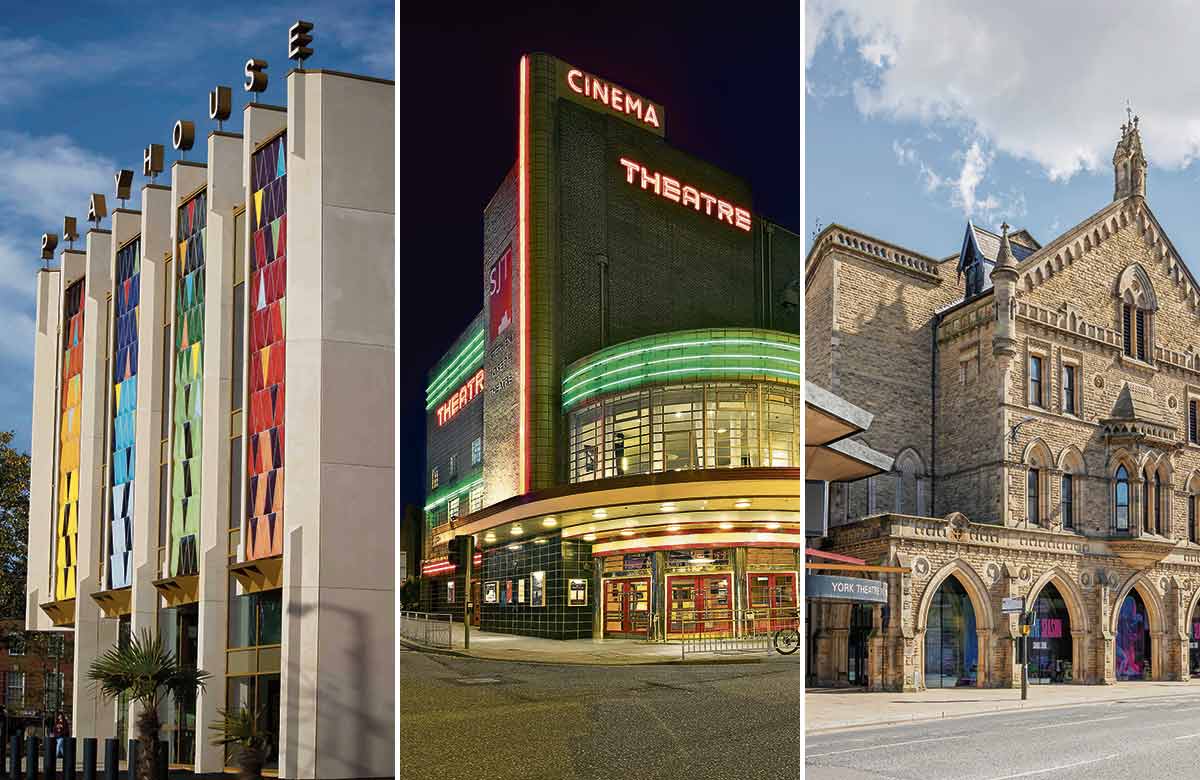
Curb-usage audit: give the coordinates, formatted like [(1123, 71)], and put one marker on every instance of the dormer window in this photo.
[(1138, 304)]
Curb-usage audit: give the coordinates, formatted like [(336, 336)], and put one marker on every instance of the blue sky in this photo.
[(921, 114), (84, 89)]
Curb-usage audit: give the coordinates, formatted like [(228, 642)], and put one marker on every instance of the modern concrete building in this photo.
[(618, 429), (252, 294)]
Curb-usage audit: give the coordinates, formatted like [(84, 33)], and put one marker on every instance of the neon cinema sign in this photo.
[(612, 96), (686, 195), (460, 398)]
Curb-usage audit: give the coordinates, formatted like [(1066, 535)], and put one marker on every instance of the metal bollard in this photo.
[(89, 758), (131, 764), (31, 753), (69, 758), (50, 758), (112, 759), (14, 750)]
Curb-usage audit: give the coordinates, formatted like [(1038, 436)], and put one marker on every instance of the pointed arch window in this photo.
[(1158, 505), (1138, 304), (1068, 500), (1121, 500), (1033, 497), (1192, 518)]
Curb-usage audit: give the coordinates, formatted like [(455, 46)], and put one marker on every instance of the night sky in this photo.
[(728, 75)]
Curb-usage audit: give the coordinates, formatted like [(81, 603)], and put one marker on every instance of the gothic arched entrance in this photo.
[(1194, 641), (951, 642), (1050, 650), (1133, 647)]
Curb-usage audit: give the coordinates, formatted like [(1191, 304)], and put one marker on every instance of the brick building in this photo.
[(1041, 402), (618, 430), (35, 675)]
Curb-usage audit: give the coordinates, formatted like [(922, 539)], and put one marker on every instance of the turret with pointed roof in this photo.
[(1129, 164)]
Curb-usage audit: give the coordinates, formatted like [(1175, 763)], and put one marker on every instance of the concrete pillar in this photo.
[(225, 193), (94, 634), (339, 559), (43, 446), (152, 373)]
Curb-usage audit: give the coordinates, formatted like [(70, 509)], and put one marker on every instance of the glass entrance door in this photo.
[(772, 600), (627, 608), (857, 645), (700, 604)]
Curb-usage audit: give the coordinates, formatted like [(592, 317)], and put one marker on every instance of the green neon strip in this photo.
[(451, 492), (706, 357), (736, 354), (462, 364), (730, 371), (678, 345)]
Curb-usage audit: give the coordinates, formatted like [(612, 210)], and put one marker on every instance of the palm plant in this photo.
[(146, 672), (242, 730)]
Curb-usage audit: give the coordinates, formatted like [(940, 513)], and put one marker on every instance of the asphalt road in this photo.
[(1155, 739), (471, 719)]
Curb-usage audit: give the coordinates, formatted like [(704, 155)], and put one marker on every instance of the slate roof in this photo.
[(1138, 402)]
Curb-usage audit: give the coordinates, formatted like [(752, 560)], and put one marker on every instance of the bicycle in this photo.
[(787, 640)]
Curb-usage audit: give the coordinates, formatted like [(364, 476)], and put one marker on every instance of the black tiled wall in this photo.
[(562, 560)]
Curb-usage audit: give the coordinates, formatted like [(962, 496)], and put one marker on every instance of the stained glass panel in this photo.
[(126, 295), (268, 317), (71, 371)]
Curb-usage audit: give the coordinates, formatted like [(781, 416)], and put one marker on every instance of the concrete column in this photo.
[(94, 634), (152, 311), (43, 448), (225, 193), (339, 559)]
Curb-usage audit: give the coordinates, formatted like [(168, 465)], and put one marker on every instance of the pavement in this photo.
[(1144, 733), (470, 718), (828, 710), (590, 652)]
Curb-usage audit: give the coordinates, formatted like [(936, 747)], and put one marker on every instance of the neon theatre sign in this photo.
[(458, 400), (686, 195), (617, 99)]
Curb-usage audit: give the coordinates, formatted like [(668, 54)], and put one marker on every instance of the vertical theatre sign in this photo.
[(500, 295)]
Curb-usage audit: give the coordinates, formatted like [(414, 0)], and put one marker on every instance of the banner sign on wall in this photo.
[(830, 588), (500, 295)]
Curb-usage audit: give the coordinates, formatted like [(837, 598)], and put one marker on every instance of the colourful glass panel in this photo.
[(68, 442), (268, 318), (126, 296), (187, 402)]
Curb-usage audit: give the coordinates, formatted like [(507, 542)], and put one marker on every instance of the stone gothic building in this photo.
[(1040, 401)]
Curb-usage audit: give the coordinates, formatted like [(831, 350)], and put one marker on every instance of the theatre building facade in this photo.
[(617, 431), (1041, 404), (249, 294)]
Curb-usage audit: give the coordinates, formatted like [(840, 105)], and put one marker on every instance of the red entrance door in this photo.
[(700, 604), (773, 600), (627, 607)]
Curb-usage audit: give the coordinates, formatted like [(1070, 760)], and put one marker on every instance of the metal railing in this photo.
[(729, 630), (428, 628)]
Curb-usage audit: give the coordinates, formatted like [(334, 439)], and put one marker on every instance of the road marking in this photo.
[(1033, 772), (1074, 723), (1188, 736), (888, 745)]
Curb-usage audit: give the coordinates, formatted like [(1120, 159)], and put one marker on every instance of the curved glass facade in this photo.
[(1133, 639), (1050, 658), (951, 646), (1194, 642), (677, 428)]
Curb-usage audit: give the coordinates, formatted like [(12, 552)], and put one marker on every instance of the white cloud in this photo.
[(46, 177), (963, 189), (1051, 90)]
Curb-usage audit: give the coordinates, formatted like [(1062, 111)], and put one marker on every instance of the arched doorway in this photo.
[(1133, 650), (1050, 650), (1194, 642), (951, 643)]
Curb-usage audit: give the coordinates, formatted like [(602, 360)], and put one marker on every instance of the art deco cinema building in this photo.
[(618, 428), (212, 445)]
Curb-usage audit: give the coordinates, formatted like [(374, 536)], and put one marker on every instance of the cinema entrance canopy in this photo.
[(830, 454)]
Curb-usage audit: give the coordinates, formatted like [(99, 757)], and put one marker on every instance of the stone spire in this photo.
[(1129, 163), (1004, 285)]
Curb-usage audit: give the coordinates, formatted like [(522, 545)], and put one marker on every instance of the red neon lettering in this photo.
[(651, 117), (686, 195), (655, 180), (617, 104), (574, 74), (459, 399), (691, 196), (612, 96), (670, 188), (633, 105), (597, 94), (631, 169)]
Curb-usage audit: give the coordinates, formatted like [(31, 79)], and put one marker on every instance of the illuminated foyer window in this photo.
[(126, 294), (187, 404), (67, 529), (268, 317)]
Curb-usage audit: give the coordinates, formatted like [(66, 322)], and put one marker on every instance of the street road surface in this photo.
[(470, 719), (1155, 739)]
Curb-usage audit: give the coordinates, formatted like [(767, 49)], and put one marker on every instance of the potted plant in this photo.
[(147, 672), (241, 730)]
